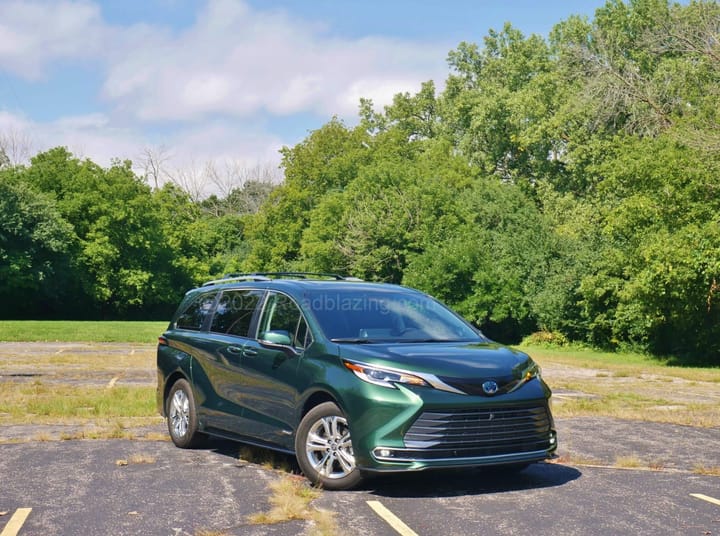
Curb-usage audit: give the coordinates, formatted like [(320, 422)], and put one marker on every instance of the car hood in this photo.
[(447, 360)]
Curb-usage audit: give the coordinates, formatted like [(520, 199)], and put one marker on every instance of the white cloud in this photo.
[(12, 122), (93, 136), (34, 34), (238, 61), (216, 81), (224, 142), (86, 136)]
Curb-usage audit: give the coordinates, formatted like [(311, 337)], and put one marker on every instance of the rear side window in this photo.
[(235, 311), (194, 316)]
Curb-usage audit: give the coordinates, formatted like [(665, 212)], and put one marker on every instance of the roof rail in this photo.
[(268, 276), (228, 278)]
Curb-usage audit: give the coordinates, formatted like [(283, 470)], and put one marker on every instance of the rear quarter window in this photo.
[(194, 316)]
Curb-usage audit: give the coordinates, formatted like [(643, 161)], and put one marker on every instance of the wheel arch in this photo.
[(169, 382), (317, 398)]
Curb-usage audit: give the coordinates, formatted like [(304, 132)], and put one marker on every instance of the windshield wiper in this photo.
[(356, 340), (427, 340)]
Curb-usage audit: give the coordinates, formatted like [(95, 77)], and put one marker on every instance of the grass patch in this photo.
[(79, 363), (713, 470), (575, 459), (629, 462), (633, 406), (79, 331), (290, 500), (621, 364), (630, 386), (45, 403)]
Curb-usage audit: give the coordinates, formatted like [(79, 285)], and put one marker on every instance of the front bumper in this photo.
[(412, 429)]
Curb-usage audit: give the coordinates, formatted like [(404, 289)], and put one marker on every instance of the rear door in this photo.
[(235, 315), (188, 345)]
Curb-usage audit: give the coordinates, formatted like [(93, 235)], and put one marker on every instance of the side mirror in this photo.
[(276, 338)]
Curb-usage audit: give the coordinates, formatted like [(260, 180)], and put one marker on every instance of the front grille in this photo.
[(489, 431)]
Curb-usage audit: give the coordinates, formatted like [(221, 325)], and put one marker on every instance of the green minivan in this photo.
[(353, 378)]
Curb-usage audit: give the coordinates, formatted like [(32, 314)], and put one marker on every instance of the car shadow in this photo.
[(433, 483), (251, 454), (453, 483)]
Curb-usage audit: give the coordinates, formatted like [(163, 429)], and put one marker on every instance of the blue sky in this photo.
[(224, 81)]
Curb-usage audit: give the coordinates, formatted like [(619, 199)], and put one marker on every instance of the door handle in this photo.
[(249, 352), (237, 350)]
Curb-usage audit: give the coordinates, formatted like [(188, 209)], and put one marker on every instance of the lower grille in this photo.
[(490, 431)]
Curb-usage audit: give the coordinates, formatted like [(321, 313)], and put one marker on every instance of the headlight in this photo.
[(384, 377), (533, 371)]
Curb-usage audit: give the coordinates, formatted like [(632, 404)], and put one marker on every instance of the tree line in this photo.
[(566, 187)]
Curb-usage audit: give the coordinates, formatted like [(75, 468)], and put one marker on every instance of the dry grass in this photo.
[(39, 402), (629, 462), (635, 400), (628, 386), (154, 436), (575, 459), (625, 364), (136, 459), (266, 458), (291, 495), (713, 470), (621, 462), (290, 500), (111, 431), (76, 359), (95, 391), (141, 459)]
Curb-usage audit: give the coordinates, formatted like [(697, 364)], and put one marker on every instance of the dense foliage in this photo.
[(568, 185), (80, 241)]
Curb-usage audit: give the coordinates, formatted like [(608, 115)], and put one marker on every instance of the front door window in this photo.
[(281, 314)]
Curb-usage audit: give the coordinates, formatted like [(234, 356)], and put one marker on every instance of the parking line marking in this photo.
[(16, 522), (390, 518), (697, 496)]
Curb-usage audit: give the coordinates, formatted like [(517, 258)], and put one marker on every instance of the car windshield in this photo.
[(386, 315)]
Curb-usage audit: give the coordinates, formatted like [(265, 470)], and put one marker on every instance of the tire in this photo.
[(181, 414), (324, 449)]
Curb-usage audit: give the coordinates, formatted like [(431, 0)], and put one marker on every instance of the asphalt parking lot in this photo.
[(83, 488), (131, 487)]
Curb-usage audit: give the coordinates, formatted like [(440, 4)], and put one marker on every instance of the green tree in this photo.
[(327, 160), (492, 263), (123, 258), (36, 246)]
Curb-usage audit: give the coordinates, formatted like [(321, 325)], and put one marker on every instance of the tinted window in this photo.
[(387, 315), (235, 312), (194, 316), (282, 314)]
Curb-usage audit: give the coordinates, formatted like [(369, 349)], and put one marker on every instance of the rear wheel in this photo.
[(324, 448), (182, 416)]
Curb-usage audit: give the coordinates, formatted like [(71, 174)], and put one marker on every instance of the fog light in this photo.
[(385, 453), (552, 440)]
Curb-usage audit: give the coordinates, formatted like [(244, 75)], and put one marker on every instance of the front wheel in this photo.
[(324, 449)]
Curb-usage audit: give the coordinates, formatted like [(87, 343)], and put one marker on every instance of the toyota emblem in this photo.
[(490, 388)]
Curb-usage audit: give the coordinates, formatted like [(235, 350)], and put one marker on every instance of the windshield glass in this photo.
[(386, 315)]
